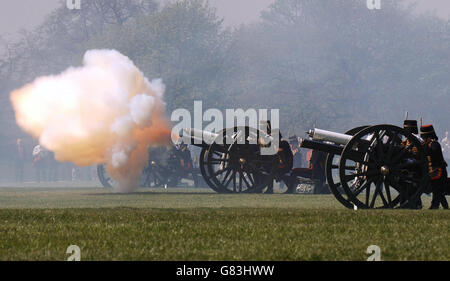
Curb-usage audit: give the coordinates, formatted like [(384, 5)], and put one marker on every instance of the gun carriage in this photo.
[(164, 169), (382, 166), (231, 160)]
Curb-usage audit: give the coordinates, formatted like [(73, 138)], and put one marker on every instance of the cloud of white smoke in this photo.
[(105, 111)]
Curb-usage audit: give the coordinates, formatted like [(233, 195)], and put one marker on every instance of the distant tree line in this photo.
[(335, 64)]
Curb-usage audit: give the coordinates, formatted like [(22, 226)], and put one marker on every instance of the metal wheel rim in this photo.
[(373, 163)]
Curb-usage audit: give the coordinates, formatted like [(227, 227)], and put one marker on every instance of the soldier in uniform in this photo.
[(39, 162), (297, 154), (186, 161), (284, 165), (411, 126), (285, 159), (437, 166), (20, 160)]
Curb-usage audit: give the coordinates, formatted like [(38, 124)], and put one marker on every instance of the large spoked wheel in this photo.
[(149, 178), (332, 173), (383, 166), (103, 176), (204, 170), (235, 164)]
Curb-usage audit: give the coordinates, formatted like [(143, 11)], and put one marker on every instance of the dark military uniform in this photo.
[(411, 126), (297, 154), (286, 157), (436, 166), (185, 158), (284, 166)]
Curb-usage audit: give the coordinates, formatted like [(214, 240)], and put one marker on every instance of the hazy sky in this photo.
[(18, 14)]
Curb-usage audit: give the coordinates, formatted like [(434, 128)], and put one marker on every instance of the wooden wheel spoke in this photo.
[(380, 191), (366, 185), (388, 191), (252, 181), (219, 161), (348, 178), (220, 154), (244, 179), (225, 177), (379, 147), (240, 181), (230, 179), (375, 193), (368, 194), (365, 163), (234, 181), (221, 171), (393, 184)]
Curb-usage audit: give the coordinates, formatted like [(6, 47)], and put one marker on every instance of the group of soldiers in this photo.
[(292, 159), (43, 162), (437, 166), (437, 171), (168, 165), (46, 167)]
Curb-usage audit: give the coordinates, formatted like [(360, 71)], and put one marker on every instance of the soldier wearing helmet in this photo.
[(436, 166)]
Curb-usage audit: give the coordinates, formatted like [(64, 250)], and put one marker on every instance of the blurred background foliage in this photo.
[(335, 64)]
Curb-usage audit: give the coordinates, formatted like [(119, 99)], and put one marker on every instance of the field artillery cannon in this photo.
[(231, 160), (380, 166), (164, 169)]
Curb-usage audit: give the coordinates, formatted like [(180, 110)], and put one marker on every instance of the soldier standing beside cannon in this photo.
[(186, 162), (297, 154), (285, 159), (437, 166), (39, 162), (412, 127), (284, 165), (20, 160)]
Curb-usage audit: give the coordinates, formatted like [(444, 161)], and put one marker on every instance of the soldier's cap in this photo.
[(427, 131), (411, 126)]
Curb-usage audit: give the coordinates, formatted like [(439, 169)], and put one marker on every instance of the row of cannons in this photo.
[(381, 166)]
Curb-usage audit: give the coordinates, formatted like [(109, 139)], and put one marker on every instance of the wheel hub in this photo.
[(384, 170)]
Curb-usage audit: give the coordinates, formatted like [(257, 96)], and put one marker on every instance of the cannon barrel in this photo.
[(197, 137), (330, 148), (205, 138), (324, 135), (321, 146)]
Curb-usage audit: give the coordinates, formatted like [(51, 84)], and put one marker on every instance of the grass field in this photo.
[(196, 224)]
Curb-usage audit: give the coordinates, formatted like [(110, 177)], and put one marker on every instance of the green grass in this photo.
[(195, 224)]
